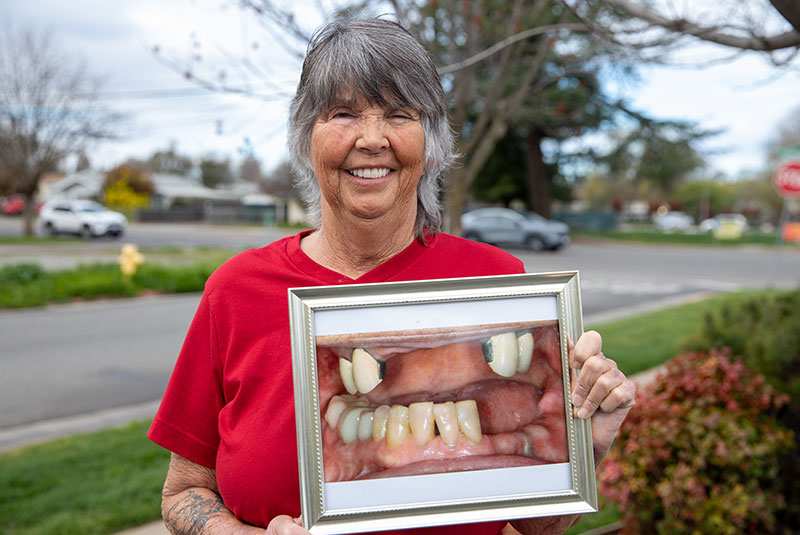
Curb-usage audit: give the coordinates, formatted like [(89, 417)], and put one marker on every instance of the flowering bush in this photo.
[(127, 188), (764, 331), (697, 453)]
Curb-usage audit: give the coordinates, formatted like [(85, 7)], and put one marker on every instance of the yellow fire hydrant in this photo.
[(130, 260)]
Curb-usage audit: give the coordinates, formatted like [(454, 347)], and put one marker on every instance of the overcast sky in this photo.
[(116, 38)]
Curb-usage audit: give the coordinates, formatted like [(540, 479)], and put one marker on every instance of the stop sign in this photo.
[(787, 179)]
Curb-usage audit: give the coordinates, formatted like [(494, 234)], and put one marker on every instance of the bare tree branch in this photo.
[(712, 34), (790, 10), (517, 37)]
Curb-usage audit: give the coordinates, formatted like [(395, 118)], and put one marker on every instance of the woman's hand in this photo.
[(286, 525), (601, 392)]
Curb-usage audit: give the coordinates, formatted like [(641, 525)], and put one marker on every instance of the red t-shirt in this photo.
[(229, 404)]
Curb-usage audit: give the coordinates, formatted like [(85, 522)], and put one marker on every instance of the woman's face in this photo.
[(368, 160)]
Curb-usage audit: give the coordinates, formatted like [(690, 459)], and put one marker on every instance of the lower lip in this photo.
[(477, 462), (369, 181)]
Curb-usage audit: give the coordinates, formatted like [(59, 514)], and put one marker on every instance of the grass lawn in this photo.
[(110, 480), (676, 238), (82, 485), (643, 342)]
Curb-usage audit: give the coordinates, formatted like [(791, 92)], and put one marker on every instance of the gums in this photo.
[(522, 418)]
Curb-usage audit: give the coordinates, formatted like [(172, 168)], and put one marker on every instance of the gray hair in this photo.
[(379, 61)]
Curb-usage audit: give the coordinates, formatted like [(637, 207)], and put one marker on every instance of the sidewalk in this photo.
[(154, 528)]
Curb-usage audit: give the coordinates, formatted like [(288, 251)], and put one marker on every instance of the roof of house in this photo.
[(181, 187)]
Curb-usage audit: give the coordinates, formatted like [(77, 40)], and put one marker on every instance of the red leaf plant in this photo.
[(698, 452)]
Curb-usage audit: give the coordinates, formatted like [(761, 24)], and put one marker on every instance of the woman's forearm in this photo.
[(546, 525), (200, 511), (191, 504)]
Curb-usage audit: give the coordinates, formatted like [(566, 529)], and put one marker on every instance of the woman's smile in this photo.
[(370, 173), (368, 160)]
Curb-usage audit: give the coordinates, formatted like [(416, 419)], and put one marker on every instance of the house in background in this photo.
[(180, 198), (86, 184)]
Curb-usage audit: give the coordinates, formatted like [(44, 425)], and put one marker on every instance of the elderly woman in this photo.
[(370, 140)]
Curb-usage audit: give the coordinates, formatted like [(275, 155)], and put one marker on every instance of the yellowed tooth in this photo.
[(346, 373), (501, 352), (365, 425), (420, 420), (336, 406), (367, 371), (379, 422), (468, 421), (525, 344), (397, 430), (446, 418), (348, 424)]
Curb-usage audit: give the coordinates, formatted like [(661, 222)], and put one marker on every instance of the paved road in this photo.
[(70, 359)]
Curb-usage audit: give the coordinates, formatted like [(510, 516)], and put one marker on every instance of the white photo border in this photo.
[(335, 507)]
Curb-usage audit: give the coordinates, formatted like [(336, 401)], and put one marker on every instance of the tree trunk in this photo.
[(28, 213), (538, 181), (456, 200)]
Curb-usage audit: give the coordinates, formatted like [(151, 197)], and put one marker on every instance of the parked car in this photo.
[(670, 221), (713, 223), (13, 205), (85, 218), (502, 226)]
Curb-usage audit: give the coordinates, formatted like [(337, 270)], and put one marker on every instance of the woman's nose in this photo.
[(372, 135)]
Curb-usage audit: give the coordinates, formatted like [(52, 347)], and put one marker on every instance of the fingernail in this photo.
[(583, 413), (577, 399)]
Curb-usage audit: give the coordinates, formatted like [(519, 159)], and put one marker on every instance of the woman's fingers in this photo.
[(590, 343), (286, 525), (600, 384)]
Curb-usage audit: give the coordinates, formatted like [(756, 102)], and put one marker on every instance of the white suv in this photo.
[(86, 218)]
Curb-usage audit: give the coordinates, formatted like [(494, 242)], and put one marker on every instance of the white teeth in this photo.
[(375, 172), (420, 420), (379, 422), (365, 425), (338, 404), (525, 343), (446, 418), (367, 372), (351, 418), (397, 426), (348, 424), (502, 354), (468, 421), (346, 373)]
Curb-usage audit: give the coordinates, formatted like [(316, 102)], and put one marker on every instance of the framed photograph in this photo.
[(438, 402)]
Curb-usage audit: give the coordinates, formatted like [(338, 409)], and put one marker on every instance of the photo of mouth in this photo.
[(441, 400)]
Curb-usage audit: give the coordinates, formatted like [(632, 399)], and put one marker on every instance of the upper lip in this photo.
[(371, 165)]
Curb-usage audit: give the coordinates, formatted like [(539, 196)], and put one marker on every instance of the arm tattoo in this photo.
[(190, 515)]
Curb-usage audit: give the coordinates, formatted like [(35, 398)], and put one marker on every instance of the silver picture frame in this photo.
[(336, 313)]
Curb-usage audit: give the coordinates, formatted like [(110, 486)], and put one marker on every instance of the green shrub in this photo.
[(90, 282), (765, 332), (697, 453), (24, 273), (25, 285), (176, 279)]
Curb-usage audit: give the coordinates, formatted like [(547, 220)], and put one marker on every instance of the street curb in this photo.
[(46, 430), (153, 528)]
